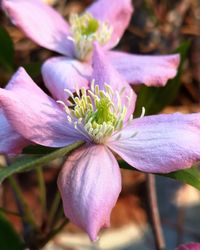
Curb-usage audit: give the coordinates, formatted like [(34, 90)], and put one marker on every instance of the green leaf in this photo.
[(9, 239), (154, 99), (189, 176), (38, 150), (26, 163), (6, 50)]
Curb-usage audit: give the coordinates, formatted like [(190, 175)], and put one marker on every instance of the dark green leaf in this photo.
[(33, 69), (38, 149), (9, 239), (189, 176), (26, 163), (125, 165), (154, 99), (6, 50)]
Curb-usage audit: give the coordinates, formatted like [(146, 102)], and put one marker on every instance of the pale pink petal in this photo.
[(160, 143), (150, 70), (41, 23), (189, 246), (104, 72), (61, 73), (90, 183), (117, 13), (34, 115), (10, 141)]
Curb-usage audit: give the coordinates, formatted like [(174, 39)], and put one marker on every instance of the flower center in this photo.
[(93, 112), (85, 30)]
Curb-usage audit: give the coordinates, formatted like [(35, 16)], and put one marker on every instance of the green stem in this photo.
[(28, 216), (3, 210), (53, 232), (58, 229), (53, 209), (42, 188)]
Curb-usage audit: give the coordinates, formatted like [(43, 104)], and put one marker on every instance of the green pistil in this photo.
[(85, 29), (95, 113), (89, 27), (103, 113)]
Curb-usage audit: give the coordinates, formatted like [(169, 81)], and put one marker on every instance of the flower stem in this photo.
[(54, 208), (53, 233), (28, 216), (42, 188), (154, 212)]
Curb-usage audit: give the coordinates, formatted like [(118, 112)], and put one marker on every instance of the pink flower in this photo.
[(102, 22), (189, 246), (10, 140), (90, 181)]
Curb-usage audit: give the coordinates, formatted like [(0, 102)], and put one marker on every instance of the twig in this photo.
[(154, 213), (42, 189)]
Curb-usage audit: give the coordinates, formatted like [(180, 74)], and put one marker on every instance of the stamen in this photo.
[(77, 90), (69, 103), (69, 93), (130, 118), (71, 39), (94, 113), (69, 119), (108, 89), (97, 90), (85, 29), (92, 85), (64, 105), (143, 112)]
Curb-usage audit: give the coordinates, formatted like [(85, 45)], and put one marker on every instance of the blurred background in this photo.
[(157, 27)]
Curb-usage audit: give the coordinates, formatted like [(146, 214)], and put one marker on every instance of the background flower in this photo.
[(46, 27)]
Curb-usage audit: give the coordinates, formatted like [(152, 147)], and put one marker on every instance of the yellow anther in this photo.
[(85, 29), (93, 112)]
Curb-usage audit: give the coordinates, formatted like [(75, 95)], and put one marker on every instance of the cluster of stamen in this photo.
[(85, 30), (93, 112)]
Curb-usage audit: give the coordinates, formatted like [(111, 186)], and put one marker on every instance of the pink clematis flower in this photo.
[(189, 246), (11, 142), (102, 22), (90, 181)]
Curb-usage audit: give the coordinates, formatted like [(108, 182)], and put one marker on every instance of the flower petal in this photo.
[(10, 141), (104, 72), (61, 73), (150, 70), (41, 23), (160, 143), (117, 15), (34, 115), (90, 183), (189, 246)]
